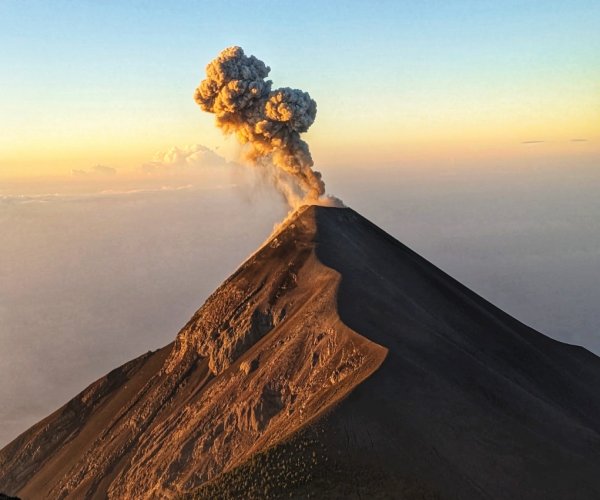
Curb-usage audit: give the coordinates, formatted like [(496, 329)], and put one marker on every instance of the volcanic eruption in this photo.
[(269, 122)]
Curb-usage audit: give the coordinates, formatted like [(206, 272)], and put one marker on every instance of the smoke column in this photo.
[(268, 121)]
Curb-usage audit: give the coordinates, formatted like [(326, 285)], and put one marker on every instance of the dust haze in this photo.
[(91, 281)]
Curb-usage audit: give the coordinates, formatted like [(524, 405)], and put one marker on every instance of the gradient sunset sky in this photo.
[(111, 82)]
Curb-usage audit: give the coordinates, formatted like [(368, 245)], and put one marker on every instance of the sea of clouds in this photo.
[(89, 280)]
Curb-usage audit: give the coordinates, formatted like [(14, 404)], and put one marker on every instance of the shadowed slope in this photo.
[(333, 325), (468, 399)]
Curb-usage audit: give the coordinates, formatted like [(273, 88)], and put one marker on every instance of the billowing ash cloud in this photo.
[(268, 121)]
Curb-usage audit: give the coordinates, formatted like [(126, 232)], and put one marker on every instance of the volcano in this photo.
[(334, 363)]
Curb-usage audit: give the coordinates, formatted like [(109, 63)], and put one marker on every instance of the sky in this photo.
[(111, 82), (468, 130)]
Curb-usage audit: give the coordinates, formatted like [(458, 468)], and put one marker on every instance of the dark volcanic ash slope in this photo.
[(468, 399), (409, 377)]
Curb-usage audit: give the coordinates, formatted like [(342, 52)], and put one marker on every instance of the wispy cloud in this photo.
[(96, 170), (150, 190), (107, 193), (541, 142), (104, 170)]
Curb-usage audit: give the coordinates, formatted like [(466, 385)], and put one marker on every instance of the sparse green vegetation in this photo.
[(303, 468)]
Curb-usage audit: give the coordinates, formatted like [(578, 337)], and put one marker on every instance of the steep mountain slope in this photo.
[(403, 383), (468, 398)]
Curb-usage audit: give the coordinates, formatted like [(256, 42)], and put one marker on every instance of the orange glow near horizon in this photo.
[(424, 138)]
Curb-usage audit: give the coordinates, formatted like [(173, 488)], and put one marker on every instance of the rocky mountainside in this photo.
[(334, 362)]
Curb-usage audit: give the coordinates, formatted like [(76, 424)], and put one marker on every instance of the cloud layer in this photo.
[(183, 160)]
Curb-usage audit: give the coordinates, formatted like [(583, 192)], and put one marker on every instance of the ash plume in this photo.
[(268, 121)]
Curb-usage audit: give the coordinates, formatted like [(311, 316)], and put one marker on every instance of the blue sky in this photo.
[(117, 77)]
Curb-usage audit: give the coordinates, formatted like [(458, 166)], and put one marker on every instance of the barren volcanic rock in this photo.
[(334, 362)]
